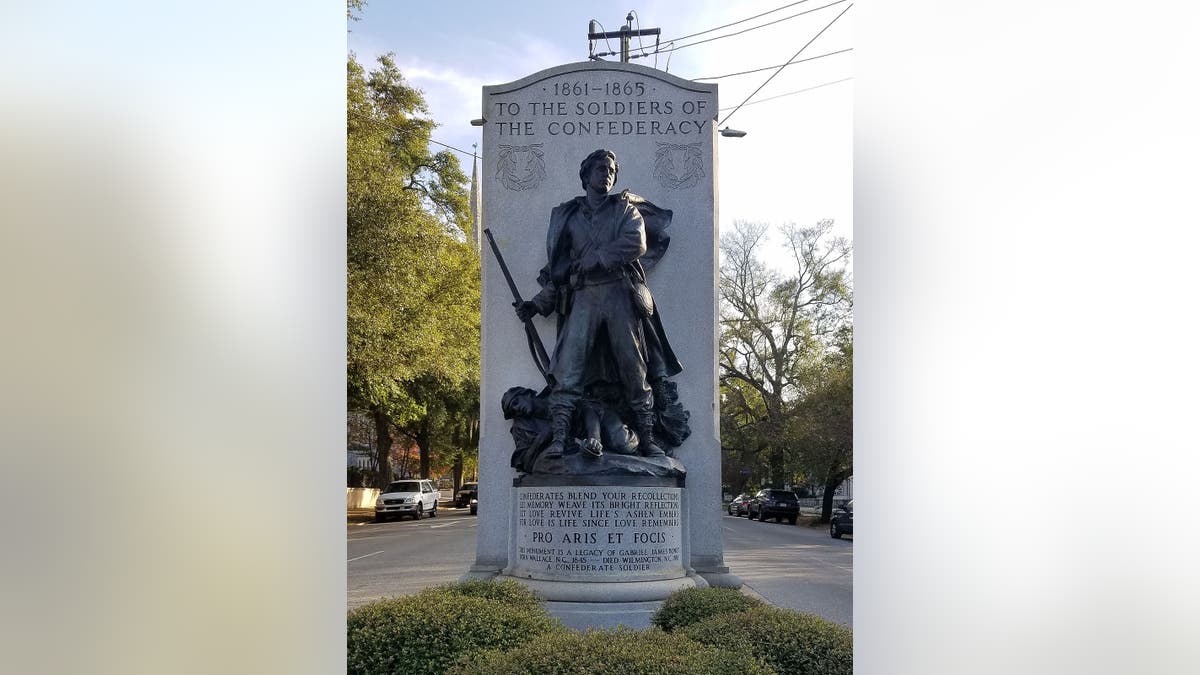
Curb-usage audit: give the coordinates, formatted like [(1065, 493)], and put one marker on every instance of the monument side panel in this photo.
[(537, 131)]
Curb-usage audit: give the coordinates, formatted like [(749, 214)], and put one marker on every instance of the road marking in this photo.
[(364, 556), (453, 522)]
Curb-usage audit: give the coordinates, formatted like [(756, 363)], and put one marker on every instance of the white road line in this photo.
[(364, 556), (454, 522)]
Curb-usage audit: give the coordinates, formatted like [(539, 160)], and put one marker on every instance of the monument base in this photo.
[(715, 572), (604, 615), (583, 605), (601, 550), (612, 592)]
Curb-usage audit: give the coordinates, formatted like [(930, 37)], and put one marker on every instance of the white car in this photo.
[(411, 497)]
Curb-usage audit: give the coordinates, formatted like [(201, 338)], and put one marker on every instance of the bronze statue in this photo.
[(611, 359)]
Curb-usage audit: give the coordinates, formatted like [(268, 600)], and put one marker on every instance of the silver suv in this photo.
[(411, 497)]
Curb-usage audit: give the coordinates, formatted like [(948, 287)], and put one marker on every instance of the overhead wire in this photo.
[(608, 44), (801, 91), (780, 69), (747, 30), (749, 18), (759, 70), (403, 131), (641, 46)]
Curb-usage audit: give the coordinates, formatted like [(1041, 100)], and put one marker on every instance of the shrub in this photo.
[(791, 642), (688, 606), (612, 652), (507, 591), (426, 632)]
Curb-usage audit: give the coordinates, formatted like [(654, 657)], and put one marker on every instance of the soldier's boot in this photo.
[(647, 446), (561, 419)]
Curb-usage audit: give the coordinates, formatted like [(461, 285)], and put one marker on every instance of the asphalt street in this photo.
[(791, 566), (401, 557)]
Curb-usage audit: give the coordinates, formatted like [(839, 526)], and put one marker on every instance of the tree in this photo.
[(412, 278), (781, 332), (824, 422)]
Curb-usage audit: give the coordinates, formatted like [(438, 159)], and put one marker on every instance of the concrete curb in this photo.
[(746, 590)]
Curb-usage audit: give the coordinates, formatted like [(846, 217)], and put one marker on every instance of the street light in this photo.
[(732, 133)]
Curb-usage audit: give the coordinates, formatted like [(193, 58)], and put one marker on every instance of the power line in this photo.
[(469, 154), (403, 131), (749, 18), (610, 53), (641, 46), (784, 65), (771, 23), (801, 91), (606, 42), (759, 70)]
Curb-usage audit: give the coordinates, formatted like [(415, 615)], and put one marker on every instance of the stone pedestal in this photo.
[(601, 550)]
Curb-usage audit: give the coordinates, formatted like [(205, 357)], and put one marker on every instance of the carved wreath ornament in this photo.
[(678, 166), (522, 167)]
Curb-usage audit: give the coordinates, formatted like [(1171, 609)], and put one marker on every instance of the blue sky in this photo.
[(794, 164)]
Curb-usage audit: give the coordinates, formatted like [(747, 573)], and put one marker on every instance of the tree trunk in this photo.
[(740, 485), (458, 471), (424, 438), (403, 471), (383, 448), (831, 485)]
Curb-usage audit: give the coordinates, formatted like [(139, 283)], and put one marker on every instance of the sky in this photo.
[(793, 166)]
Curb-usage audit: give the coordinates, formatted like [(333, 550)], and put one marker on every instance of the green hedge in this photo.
[(612, 652), (506, 591), (691, 605), (791, 642), (424, 633)]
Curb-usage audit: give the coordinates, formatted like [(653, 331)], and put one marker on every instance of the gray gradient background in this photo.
[(173, 268)]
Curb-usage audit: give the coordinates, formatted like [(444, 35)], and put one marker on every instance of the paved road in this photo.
[(792, 566), (401, 557)]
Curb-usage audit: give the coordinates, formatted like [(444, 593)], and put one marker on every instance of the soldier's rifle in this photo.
[(536, 349)]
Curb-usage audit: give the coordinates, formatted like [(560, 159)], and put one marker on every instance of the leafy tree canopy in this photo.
[(412, 278), (786, 353)]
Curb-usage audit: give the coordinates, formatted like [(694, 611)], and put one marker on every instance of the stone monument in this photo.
[(599, 455)]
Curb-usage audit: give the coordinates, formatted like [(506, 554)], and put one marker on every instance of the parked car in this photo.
[(474, 505), (737, 507), (772, 503), (842, 520), (412, 497), (466, 493)]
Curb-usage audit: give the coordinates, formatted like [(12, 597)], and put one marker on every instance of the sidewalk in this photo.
[(356, 516), (360, 516)]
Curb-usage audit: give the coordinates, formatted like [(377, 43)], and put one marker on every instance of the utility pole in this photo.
[(624, 34)]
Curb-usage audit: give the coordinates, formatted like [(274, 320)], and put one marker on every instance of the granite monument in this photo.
[(600, 459)]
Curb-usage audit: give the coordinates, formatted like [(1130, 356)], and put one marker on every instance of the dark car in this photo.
[(737, 507), (474, 505), (772, 503), (842, 520), (466, 493)]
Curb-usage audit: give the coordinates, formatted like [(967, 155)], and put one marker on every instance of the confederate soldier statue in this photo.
[(610, 337)]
